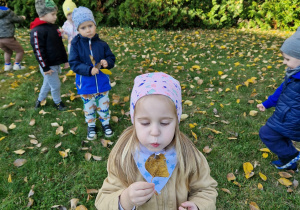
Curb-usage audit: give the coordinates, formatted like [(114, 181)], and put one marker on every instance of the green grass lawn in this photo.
[(224, 74)]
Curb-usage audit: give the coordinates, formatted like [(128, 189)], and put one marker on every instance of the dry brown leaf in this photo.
[(115, 119), (43, 112), (230, 177), (58, 145), (87, 156), (289, 190), (19, 151), (207, 150), (30, 202), (34, 141), (60, 207), (81, 207), (74, 202), (253, 206), (285, 174), (59, 130), (126, 98), (31, 192), (12, 126), (43, 102), (32, 122), (295, 183), (3, 128), (19, 162), (32, 136), (226, 190), (105, 143), (156, 165), (97, 157), (39, 145), (55, 124), (91, 191)]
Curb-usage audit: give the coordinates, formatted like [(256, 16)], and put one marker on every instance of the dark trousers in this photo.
[(281, 145)]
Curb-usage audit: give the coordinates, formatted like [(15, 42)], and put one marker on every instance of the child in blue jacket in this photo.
[(284, 125), (92, 85)]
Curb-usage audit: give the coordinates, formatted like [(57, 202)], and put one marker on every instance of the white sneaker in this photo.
[(18, 67), (7, 67)]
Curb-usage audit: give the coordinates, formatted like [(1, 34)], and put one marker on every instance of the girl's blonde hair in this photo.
[(122, 164)]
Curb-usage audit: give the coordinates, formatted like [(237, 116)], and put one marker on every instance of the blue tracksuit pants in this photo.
[(281, 145)]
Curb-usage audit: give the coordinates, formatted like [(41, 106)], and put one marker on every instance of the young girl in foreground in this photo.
[(155, 110)]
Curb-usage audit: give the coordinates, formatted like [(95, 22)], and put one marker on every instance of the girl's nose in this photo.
[(155, 130)]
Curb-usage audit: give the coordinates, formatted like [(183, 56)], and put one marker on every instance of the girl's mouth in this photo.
[(155, 145)]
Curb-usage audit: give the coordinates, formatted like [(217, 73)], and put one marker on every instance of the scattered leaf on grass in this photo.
[(19, 151), (253, 206), (58, 145), (73, 130), (34, 141), (262, 176), (295, 183), (289, 190), (31, 192), (236, 183), (55, 124), (114, 119), (12, 126), (213, 130), (285, 182), (25, 179), (59, 130), (44, 150), (3, 137), (183, 116), (60, 207), (265, 155), (230, 177), (253, 113), (32, 136), (30, 202), (264, 150), (19, 162), (248, 169), (207, 150), (74, 202), (91, 191), (43, 112), (32, 122), (43, 102), (9, 179), (64, 154), (259, 186), (188, 102), (194, 135), (81, 207), (97, 157), (226, 190), (87, 156), (105, 143), (285, 174)]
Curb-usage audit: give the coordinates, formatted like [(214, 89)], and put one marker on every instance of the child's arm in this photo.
[(272, 100), (17, 19), (203, 191), (109, 57), (76, 65), (38, 43)]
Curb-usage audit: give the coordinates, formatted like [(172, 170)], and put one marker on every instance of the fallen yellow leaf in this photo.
[(230, 177), (262, 176), (285, 174), (264, 150), (248, 169), (9, 179), (259, 186), (285, 182), (265, 155), (253, 113)]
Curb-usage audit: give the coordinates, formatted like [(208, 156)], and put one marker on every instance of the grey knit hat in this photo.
[(43, 7), (291, 46), (82, 14)]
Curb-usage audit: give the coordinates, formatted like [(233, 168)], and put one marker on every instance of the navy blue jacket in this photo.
[(81, 64), (286, 117)]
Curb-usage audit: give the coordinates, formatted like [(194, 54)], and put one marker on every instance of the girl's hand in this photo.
[(136, 194), (66, 65), (95, 71), (261, 107), (189, 205), (49, 72), (104, 63)]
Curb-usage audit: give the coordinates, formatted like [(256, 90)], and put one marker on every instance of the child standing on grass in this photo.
[(8, 42), (155, 110), (284, 125), (92, 84), (69, 28), (46, 41)]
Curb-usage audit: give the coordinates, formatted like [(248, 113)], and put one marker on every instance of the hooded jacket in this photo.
[(81, 64), (7, 20), (286, 117), (47, 44)]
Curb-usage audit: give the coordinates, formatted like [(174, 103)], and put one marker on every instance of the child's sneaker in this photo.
[(17, 66), (7, 67), (60, 106), (37, 104), (91, 133), (278, 163), (107, 130)]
